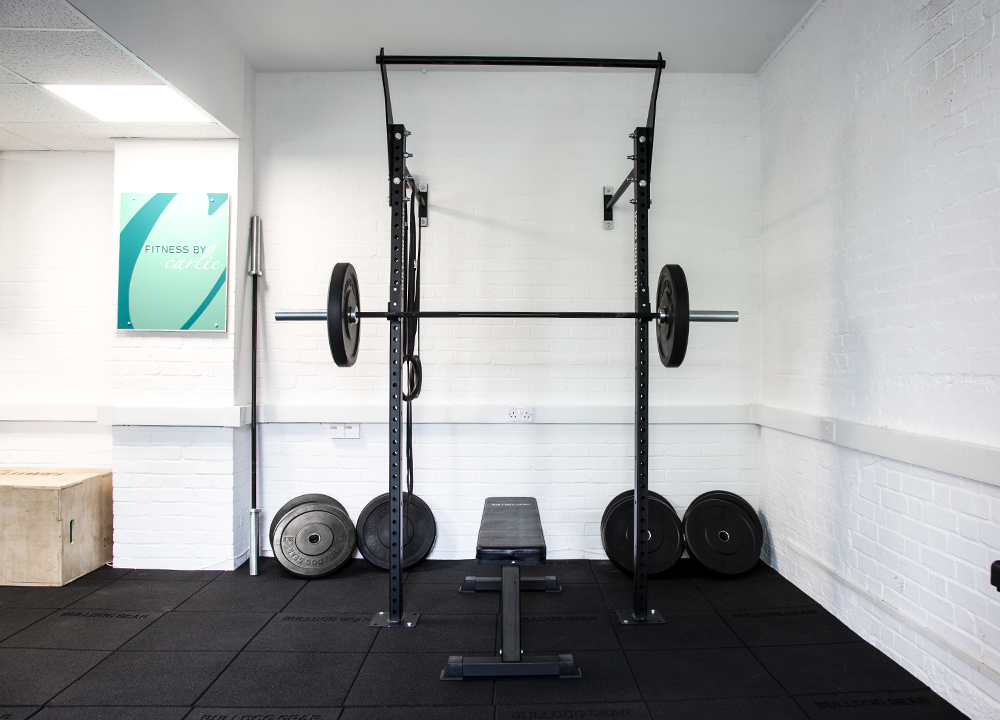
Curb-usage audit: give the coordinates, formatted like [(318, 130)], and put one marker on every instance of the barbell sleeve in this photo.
[(693, 315)]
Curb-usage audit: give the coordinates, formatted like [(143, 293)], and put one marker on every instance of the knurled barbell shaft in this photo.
[(693, 315)]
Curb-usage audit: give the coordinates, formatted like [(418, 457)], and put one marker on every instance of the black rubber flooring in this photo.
[(161, 645)]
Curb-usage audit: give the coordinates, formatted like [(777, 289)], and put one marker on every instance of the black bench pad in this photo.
[(510, 532)]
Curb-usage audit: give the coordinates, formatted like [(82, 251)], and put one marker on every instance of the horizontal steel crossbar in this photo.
[(693, 315), (518, 61)]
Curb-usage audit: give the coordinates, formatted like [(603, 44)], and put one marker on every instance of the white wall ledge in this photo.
[(976, 462)]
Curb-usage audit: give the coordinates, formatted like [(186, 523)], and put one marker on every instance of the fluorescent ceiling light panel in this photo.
[(132, 103)]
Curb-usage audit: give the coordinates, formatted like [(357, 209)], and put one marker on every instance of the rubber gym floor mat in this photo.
[(139, 595), (572, 710), (259, 679), (906, 705), (265, 596), (14, 620), (810, 625), (681, 630), (83, 630), (315, 632), (448, 634), (700, 673), (199, 631), (566, 632), (606, 679), (233, 646), (832, 668), (118, 713), (664, 596), (415, 681), (574, 598), (17, 713), (780, 707), (159, 679), (33, 677), (467, 712)]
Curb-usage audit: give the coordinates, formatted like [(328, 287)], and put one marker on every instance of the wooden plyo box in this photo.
[(55, 525)]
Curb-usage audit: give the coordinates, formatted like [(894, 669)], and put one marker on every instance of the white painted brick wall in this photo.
[(880, 305), (918, 540), (55, 444), (56, 277), (516, 162), (177, 497), (881, 287), (573, 470)]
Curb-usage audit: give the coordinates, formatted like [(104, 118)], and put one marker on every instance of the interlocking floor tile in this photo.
[(450, 572), (567, 632), (468, 712), (664, 596), (844, 667), (83, 629), (267, 569), (13, 620), (293, 679), (139, 595), (199, 576), (263, 596), (415, 682), (447, 634), (348, 591), (606, 679), (191, 631), (762, 592), (46, 597), (574, 598), (693, 674), (811, 625), (442, 599), (619, 711), (112, 713), (904, 705), (32, 677), (747, 708), (17, 713), (681, 630), (159, 679), (315, 632)]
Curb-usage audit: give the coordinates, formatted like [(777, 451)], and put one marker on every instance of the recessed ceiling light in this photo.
[(132, 103)]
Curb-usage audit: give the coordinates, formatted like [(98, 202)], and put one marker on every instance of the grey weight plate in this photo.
[(344, 294), (665, 542), (313, 539), (374, 531), (310, 497), (721, 535), (672, 299)]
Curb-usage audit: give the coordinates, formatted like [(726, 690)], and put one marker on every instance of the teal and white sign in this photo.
[(173, 251)]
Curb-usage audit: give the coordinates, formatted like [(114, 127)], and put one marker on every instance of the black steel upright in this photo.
[(640, 530)]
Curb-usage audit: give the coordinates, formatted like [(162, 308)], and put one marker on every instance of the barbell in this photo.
[(343, 315)]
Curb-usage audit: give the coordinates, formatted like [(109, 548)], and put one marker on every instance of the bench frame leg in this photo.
[(510, 662)]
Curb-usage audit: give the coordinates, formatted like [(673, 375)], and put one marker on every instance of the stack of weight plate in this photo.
[(723, 532), (312, 536), (665, 541)]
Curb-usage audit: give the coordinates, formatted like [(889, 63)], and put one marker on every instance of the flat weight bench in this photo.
[(510, 535)]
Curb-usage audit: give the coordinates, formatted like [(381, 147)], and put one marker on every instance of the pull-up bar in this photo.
[(521, 61)]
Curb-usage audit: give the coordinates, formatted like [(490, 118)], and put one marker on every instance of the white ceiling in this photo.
[(735, 36), (49, 41)]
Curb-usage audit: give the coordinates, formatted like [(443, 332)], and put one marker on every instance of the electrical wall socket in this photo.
[(828, 430), (520, 414), (345, 430)]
